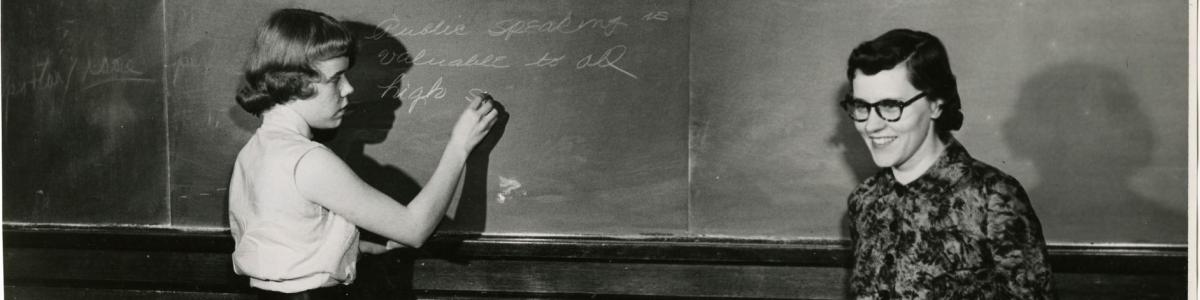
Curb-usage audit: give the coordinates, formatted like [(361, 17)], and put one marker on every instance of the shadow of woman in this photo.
[(388, 275), (853, 149), (1082, 127), (855, 155), (368, 120)]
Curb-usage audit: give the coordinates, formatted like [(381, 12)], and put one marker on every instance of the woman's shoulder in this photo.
[(283, 147), (992, 185), (981, 173), (960, 167), (284, 138)]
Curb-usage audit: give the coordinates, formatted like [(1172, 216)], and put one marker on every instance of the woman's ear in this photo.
[(935, 109)]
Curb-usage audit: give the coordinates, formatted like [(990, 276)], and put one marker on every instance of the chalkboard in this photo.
[(1084, 102), (596, 92), (84, 126), (625, 118)]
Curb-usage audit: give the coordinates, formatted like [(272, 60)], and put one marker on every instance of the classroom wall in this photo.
[(662, 118), (703, 156), (1083, 102), (581, 95)]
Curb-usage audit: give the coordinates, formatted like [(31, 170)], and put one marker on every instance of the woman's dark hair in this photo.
[(928, 69), (281, 65)]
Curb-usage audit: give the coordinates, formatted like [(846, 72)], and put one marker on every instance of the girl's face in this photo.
[(893, 144), (324, 110)]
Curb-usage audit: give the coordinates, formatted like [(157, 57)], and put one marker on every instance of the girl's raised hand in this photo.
[(474, 124)]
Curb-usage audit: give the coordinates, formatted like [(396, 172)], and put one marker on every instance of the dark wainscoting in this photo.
[(128, 263)]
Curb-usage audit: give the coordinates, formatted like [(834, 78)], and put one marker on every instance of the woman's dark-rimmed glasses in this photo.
[(888, 109)]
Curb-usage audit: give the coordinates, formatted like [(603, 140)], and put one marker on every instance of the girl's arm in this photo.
[(325, 179)]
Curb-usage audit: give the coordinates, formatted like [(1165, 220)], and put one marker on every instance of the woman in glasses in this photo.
[(934, 223)]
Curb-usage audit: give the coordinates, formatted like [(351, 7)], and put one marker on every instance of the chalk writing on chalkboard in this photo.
[(66, 75), (607, 58)]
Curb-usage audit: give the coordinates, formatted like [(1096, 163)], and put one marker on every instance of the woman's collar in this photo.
[(287, 118)]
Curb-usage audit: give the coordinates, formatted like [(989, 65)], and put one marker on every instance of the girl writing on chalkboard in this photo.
[(293, 204), (934, 223)]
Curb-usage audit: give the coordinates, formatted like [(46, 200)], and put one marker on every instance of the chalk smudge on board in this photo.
[(508, 189)]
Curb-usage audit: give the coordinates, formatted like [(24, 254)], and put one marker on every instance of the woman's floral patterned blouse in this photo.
[(963, 230)]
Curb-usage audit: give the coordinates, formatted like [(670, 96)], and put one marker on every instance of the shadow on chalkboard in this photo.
[(471, 215), (242, 119), (1084, 130), (389, 275), (854, 150), (368, 121)]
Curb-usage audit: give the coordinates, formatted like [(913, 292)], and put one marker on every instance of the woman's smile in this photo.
[(881, 141)]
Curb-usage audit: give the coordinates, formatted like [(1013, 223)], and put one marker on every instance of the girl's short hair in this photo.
[(281, 65), (928, 68)]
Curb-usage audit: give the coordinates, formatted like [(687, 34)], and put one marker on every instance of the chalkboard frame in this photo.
[(42, 260)]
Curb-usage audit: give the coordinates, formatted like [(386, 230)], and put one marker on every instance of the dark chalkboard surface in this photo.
[(84, 127), (626, 118), (596, 91), (1084, 102)]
